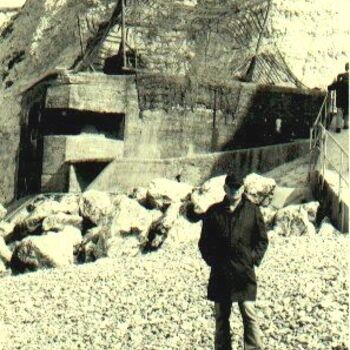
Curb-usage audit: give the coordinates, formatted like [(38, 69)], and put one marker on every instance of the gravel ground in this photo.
[(158, 301)]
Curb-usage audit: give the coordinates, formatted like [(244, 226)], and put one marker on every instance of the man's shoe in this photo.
[(338, 130), (346, 127)]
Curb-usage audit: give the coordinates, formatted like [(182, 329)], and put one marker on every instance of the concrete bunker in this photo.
[(90, 128)]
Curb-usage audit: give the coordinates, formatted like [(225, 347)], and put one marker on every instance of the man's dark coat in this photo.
[(232, 243)]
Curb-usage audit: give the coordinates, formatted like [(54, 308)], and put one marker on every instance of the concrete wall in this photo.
[(336, 210), (171, 117), (126, 173), (61, 151)]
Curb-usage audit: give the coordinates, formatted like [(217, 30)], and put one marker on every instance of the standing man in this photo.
[(341, 86), (233, 240)]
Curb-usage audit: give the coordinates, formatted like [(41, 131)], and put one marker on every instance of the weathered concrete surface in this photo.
[(61, 151), (126, 173), (95, 92)]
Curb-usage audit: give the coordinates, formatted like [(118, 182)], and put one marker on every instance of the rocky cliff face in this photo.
[(175, 37)]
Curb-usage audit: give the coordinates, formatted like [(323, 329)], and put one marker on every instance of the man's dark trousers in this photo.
[(252, 337)]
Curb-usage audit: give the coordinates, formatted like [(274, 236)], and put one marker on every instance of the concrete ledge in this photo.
[(63, 149), (130, 172), (93, 92)]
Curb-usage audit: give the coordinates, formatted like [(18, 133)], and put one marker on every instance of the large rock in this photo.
[(162, 192), (6, 230), (47, 251), (172, 229), (40, 211), (57, 222), (327, 229), (311, 208), (140, 194), (3, 212), (211, 192), (95, 206), (269, 214), (293, 220), (5, 252), (259, 189), (70, 204), (125, 234)]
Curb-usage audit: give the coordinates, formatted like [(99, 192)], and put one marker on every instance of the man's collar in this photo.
[(227, 204)]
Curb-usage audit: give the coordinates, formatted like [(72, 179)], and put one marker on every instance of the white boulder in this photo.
[(259, 189), (311, 209), (162, 192), (70, 204), (211, 192), (47, 251), (41, 210), (57, 222), (95, 205), (6, 229), (269, 214), (127, 231), (293, 221), (140, 194), (5, 252)]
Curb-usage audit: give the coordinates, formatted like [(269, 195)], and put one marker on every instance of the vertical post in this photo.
[(340, 173), (324, 150), (123, 33), (214, 112), (310, 155)]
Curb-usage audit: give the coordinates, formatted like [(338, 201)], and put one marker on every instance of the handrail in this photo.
[(320, 111)]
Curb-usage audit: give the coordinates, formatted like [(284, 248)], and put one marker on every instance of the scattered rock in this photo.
[(269, 214), (6, 230), (47, 251), (40, 211), (327, 229), (139, 194), (70, 204), (127, 231), (162, 192), (57, 222), (95, 206), (311, 209), (259, 189), (293, 220)]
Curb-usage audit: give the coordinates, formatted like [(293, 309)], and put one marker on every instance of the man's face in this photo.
[(232, 192)]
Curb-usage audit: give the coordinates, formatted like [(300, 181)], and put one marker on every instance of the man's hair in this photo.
[(347, 66), (232, 181)]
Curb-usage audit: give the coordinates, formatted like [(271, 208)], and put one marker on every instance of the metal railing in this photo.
[(327, 154)]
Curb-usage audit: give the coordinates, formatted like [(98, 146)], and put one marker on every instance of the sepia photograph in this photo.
[(174, 174)]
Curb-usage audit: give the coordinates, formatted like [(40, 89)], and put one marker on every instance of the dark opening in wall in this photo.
[(30, 153), (74, 122), (87, 172), (114, 65)]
